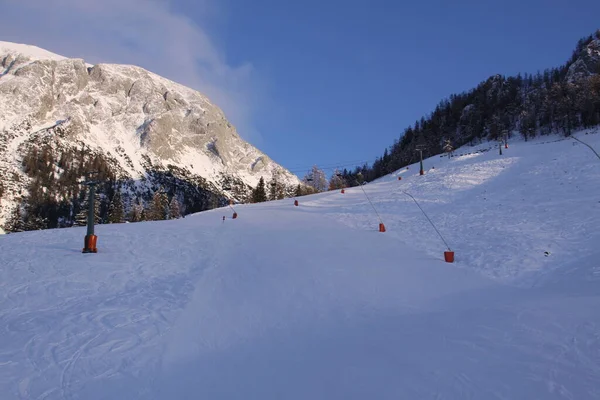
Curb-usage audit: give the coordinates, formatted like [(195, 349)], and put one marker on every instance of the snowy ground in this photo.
[(311, 302)]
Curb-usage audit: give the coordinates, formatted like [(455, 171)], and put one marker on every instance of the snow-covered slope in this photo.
[(138, 120), (312, 302)]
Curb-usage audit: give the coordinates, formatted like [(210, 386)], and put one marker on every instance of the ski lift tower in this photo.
[(420, 148), (500, 144), (90, 237)]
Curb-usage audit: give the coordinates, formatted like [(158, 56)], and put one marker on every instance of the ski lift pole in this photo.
[(91, 209), (420, 149), (90, 238)]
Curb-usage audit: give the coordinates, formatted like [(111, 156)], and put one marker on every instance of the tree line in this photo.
[(56, 197), (315, 181)]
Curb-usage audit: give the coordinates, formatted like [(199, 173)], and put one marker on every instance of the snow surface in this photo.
[(32, 52), (311, 302)]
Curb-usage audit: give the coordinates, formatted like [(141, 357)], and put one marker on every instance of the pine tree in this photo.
[(135, 215), (299, 192), (273, 188), (160, 206), (259, 194), (448, 147), (35, 222), (16, 222), (276, 187), (174, 208), (116, 211), (144, 215)]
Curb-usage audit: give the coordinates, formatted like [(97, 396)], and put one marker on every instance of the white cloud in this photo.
[(148, 33)]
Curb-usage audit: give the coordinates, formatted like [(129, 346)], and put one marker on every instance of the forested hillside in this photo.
[(557, 100)]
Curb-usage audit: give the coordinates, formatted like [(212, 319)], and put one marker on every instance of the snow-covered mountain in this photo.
[(136, 122)]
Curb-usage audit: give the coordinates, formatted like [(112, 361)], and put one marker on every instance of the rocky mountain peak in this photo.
[(137, 121)]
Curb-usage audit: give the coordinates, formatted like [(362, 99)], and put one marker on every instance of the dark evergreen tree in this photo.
[(276, 186), (16, 222), (135, 214), (174, 209), (144, 215), (159, 209), (116, 210), (35, 222), (259, 195), (448, 147)]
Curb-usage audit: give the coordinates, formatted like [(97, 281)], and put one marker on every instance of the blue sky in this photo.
[(323, 82)]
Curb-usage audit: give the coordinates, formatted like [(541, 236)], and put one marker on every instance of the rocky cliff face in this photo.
[(134, 124), (586, 59)]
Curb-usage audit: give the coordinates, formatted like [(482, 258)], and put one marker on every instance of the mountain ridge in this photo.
[(134, 120)]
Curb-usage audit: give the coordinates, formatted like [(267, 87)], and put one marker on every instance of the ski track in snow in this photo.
[(313, 302)]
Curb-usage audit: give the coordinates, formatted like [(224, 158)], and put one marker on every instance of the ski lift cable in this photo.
[(330, 169), (372, 205), (428, 219), (591, 148), (300, 166), (330, 166)]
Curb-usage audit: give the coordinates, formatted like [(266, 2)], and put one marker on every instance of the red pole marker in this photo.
[(381, 227), (343, 191), (399, 178), (296, 203), (449, 256), (234, 215)]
